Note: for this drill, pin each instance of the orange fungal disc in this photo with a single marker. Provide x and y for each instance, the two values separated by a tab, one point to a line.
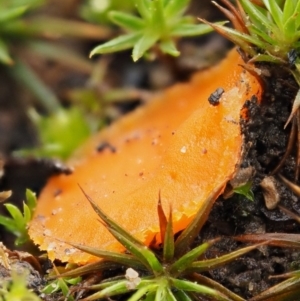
178	144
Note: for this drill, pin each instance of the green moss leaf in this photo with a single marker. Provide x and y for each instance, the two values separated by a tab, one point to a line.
120	43
245	190
144	8
189	30
176	7
4	54
31	199
142	45
127	21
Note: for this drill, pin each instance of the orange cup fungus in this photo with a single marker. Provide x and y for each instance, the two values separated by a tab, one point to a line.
178	144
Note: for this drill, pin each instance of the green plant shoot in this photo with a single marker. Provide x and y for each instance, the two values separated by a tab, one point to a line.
160	23
17	223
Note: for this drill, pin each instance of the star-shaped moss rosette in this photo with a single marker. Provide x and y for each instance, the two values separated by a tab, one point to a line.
170	274
266	30
161	22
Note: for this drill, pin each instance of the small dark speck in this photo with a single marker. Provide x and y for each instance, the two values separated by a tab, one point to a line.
113	191
105	145
173	133
141	174
214	98
126	175
57	192
292	57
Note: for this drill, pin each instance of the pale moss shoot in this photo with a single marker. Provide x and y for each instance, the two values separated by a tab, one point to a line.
161	23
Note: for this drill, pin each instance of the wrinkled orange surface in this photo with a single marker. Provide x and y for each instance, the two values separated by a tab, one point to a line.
177	144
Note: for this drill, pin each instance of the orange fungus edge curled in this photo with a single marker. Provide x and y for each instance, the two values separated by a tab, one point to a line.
178	144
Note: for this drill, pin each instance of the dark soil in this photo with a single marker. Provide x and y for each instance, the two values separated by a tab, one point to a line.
265	142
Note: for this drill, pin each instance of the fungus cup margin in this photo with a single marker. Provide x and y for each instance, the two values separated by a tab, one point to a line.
178	144
169	274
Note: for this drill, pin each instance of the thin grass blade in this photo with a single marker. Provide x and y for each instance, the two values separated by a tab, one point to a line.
162	219
61	54
142	253
272	239
256	16
110	223
169	244
142	291
88	268
275	12
186	260
150	296
189	30
217	286
120	43
181	295
116	289
198	288
262	34
209	264
185	239
233	14
126	21
289	9
284	291
175	8
160	293
25	75
170	296
241	39
122	259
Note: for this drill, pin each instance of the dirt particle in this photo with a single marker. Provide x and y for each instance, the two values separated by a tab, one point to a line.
105	145
55	211
270	193
183	149
57	192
